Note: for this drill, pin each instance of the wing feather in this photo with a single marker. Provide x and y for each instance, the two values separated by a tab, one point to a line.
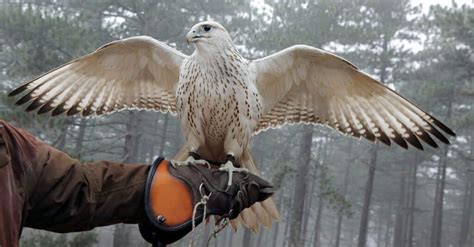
133	73
302	84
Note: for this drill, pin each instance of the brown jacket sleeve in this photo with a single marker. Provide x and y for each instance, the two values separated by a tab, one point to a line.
42	187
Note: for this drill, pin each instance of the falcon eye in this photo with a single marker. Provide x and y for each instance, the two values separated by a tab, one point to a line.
206	28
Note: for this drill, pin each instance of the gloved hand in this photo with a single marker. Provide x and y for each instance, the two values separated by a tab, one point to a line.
177	197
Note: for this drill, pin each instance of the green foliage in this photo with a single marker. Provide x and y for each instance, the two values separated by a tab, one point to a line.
84	239
330	193
37	39
282	172
44	239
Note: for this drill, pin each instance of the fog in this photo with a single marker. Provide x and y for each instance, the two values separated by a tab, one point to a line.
355	193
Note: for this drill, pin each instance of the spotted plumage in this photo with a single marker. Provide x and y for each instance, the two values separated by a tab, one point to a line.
222	99
218	103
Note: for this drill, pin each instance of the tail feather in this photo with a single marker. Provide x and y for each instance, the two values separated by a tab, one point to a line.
270	207
262	215
235	223
265	211
249	219
182	153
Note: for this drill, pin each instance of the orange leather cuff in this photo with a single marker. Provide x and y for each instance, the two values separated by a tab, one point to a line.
170	198
168	205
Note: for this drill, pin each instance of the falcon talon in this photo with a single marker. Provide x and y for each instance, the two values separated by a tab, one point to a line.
172	162
230	168
176	163
206	164
195	155
190	161
202	162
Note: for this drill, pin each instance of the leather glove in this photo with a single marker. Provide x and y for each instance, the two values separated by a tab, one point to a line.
177	197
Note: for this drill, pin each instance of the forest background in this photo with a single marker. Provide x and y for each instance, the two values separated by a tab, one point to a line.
332	190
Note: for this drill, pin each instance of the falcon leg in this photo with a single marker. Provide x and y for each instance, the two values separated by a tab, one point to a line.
229	166
192	159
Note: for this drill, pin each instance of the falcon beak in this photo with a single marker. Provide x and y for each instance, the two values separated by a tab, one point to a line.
193	36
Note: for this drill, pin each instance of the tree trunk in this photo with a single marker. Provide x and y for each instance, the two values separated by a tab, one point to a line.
296	238
80	138
364	222
307	207
313	184
352	233
152	147
364	219
177	138
437	222
380	226
434	219
288	220
132	138
317	225
398	236
276	226
388	224
163	135
60	143
319	214
121	236
206	232
411	225
261	236
344	192
467	210
468	202
246	238
230	243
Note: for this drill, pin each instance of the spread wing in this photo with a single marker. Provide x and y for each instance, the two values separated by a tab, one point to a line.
137	72
302	84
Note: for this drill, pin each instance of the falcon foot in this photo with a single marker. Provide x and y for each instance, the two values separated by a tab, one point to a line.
192	159
230	168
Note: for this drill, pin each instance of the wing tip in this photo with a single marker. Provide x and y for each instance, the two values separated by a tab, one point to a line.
416	144
18	90
25	99
440	136
73	111
384	139
402	143
45	108
88	111
33	106
421	148
443	127
430	143
434	145
59	109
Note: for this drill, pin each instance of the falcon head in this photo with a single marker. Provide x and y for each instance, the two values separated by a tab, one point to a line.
208	34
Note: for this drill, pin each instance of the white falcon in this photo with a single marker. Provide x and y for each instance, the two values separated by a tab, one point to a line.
223	99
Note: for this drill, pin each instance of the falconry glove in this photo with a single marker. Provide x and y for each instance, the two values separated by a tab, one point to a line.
179	198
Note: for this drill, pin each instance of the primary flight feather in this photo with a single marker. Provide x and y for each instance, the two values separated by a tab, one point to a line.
223	99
